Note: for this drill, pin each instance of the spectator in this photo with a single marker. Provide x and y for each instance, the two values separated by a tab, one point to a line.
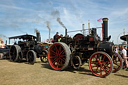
51	40
2	45
56	36
60	38
124	56
116	50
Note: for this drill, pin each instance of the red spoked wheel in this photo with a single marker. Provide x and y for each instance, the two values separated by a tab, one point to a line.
100	64
59	56
78	37
117	62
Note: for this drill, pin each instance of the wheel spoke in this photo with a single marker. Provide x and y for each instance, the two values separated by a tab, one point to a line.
57	64
52	56
100	71
94	66
96	58
53	52
61	52
107	68
63	59
105	62
62	55
104	70
99	57
54	61
61	63
103	58
60	49
93	62
56	49
96	69
116	64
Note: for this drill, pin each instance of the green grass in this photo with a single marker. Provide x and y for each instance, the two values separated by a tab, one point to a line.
12	73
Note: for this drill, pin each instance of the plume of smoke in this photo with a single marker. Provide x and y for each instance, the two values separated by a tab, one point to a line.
77	11
47	22
55	14
58	19
3	36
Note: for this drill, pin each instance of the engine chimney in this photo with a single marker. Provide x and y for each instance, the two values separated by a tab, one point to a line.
38	36
105	29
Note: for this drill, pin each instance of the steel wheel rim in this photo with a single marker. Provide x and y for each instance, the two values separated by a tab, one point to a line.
57	56
44	58
117	62
102	65
13	53
76	62
30	57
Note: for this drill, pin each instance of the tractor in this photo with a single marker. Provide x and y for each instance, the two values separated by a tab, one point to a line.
28	47
74	52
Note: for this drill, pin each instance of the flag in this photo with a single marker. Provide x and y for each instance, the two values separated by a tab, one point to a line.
99	19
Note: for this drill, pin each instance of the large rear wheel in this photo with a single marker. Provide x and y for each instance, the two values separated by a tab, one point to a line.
100	64
15	51
59	56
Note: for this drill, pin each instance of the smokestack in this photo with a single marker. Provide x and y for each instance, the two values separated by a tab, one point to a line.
89	27
83	29
38	36
105	29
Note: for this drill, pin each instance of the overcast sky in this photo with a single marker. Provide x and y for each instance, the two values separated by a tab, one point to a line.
19	17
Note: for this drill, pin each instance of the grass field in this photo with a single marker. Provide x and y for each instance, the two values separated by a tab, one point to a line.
13	73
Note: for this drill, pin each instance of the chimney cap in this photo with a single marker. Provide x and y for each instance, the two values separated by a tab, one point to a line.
105	19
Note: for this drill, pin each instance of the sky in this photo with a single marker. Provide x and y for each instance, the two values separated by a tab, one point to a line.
18	17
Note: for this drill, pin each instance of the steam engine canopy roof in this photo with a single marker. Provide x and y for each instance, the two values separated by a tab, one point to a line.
24	37
124	37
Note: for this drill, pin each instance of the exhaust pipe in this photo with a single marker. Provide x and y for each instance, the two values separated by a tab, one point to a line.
105	30
38	37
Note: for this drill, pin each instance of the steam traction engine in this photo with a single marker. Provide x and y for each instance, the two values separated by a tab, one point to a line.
28	47
77	50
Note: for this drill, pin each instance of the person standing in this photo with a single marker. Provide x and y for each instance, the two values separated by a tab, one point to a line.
56	36
2	45
124	56
116	50
60	38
